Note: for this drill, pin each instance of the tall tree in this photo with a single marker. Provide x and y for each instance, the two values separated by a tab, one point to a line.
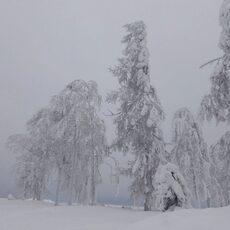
80	126
217	103
139	114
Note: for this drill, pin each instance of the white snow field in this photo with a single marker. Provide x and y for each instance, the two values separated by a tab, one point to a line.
31	215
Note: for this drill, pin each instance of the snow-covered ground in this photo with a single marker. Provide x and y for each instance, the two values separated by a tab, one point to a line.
30	215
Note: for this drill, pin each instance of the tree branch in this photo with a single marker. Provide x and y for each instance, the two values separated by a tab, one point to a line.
210	62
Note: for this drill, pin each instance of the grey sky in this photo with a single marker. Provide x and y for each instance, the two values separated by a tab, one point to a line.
45	44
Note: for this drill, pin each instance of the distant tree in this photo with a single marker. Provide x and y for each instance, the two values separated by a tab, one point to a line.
191	156
171	188
220	155
33	161
139	115
217	103
21	144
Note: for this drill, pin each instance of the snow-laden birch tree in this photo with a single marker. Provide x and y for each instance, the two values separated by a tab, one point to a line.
25	168
80	126
139	115
217	103
34	155
66	139
191	156
220	155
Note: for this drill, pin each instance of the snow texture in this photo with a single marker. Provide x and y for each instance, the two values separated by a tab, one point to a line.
33	215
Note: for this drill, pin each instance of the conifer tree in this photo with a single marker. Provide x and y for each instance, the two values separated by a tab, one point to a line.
140	113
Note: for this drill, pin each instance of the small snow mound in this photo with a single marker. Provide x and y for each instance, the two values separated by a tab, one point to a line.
48	201
11	197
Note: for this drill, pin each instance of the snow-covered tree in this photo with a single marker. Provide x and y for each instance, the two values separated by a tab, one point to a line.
217	103
171	188
21	144
139	114
191	156
220	155
66	139
41	137
34	151
97	150
80	127
59	157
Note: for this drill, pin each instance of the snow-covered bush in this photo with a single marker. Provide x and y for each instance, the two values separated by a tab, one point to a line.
171	188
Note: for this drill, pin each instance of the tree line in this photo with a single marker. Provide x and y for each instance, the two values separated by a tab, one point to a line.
67	139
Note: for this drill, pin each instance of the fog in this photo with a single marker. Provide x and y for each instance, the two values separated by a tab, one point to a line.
46	44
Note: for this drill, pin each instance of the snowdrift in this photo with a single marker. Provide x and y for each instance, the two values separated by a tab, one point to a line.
30	215
190	219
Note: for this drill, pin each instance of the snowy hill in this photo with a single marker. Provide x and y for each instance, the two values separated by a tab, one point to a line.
30	215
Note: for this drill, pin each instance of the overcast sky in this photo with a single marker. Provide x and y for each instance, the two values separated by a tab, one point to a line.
45	44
